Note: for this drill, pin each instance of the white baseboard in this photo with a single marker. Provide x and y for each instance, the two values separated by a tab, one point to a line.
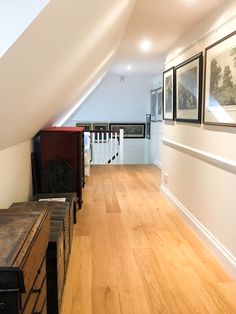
157	163
227	259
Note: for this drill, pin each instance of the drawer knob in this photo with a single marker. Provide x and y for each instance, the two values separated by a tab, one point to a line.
36	290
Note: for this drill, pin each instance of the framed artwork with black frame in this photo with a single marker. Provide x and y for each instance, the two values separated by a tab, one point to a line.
148	126
188	76
131	130
86	125
220	82
153	105
159	104
101	127
169	94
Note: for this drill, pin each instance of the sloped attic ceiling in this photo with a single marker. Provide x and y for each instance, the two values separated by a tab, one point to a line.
67	47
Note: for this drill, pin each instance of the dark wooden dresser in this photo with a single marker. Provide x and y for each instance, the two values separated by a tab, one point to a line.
62	160
24	236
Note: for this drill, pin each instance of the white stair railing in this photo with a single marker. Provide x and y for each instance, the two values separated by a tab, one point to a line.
107	147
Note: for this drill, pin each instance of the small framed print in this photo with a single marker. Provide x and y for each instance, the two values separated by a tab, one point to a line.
169	94
159	104
153	105
189	90
86	125
220	82
100	127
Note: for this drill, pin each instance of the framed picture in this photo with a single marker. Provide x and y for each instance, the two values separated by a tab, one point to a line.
101	127
220	82
169	94
159	104
153	105
189	90
148	126
86	125
131	130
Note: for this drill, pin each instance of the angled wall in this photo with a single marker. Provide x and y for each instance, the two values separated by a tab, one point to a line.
44	73
55	61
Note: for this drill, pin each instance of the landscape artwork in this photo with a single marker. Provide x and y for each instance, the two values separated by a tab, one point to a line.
159	104
153	104
220	82
189	90
131	130
168	94
223	79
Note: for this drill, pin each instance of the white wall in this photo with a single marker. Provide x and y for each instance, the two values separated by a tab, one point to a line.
203	188
115	101
15	179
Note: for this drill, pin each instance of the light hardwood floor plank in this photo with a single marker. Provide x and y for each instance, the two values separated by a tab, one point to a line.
133	254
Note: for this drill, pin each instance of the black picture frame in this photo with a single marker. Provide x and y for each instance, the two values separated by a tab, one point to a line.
102	127
169	94
220	82
86	125
131	130
153	105
148	126
188	90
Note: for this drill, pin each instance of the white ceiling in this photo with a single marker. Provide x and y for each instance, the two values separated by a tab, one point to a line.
164	22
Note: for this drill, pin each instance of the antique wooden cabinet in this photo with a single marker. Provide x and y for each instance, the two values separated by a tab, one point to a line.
62	160
24	238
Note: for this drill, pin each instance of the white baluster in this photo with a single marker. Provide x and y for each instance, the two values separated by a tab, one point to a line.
102	149
93	148
121	150
115	148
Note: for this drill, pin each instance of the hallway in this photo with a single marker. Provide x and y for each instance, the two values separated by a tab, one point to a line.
132	253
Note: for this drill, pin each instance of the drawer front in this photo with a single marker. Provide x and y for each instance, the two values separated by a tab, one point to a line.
71	223
34	297
40	277
44	310
31	268
67	239
60	268
41	298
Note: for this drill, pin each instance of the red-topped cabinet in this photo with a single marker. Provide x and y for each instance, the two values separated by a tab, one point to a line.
62	160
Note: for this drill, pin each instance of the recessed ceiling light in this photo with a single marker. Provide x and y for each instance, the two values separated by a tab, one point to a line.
145	45
129	67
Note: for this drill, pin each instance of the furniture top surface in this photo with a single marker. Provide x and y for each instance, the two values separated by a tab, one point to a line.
63	129
14	231
70	197
40	205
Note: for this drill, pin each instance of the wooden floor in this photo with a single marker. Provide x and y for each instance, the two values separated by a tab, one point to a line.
133	254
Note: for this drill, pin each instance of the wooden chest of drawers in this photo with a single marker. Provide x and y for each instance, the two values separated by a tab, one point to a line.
55	268
23	240
59	211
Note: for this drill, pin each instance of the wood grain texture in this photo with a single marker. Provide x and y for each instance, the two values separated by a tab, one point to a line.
132	253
